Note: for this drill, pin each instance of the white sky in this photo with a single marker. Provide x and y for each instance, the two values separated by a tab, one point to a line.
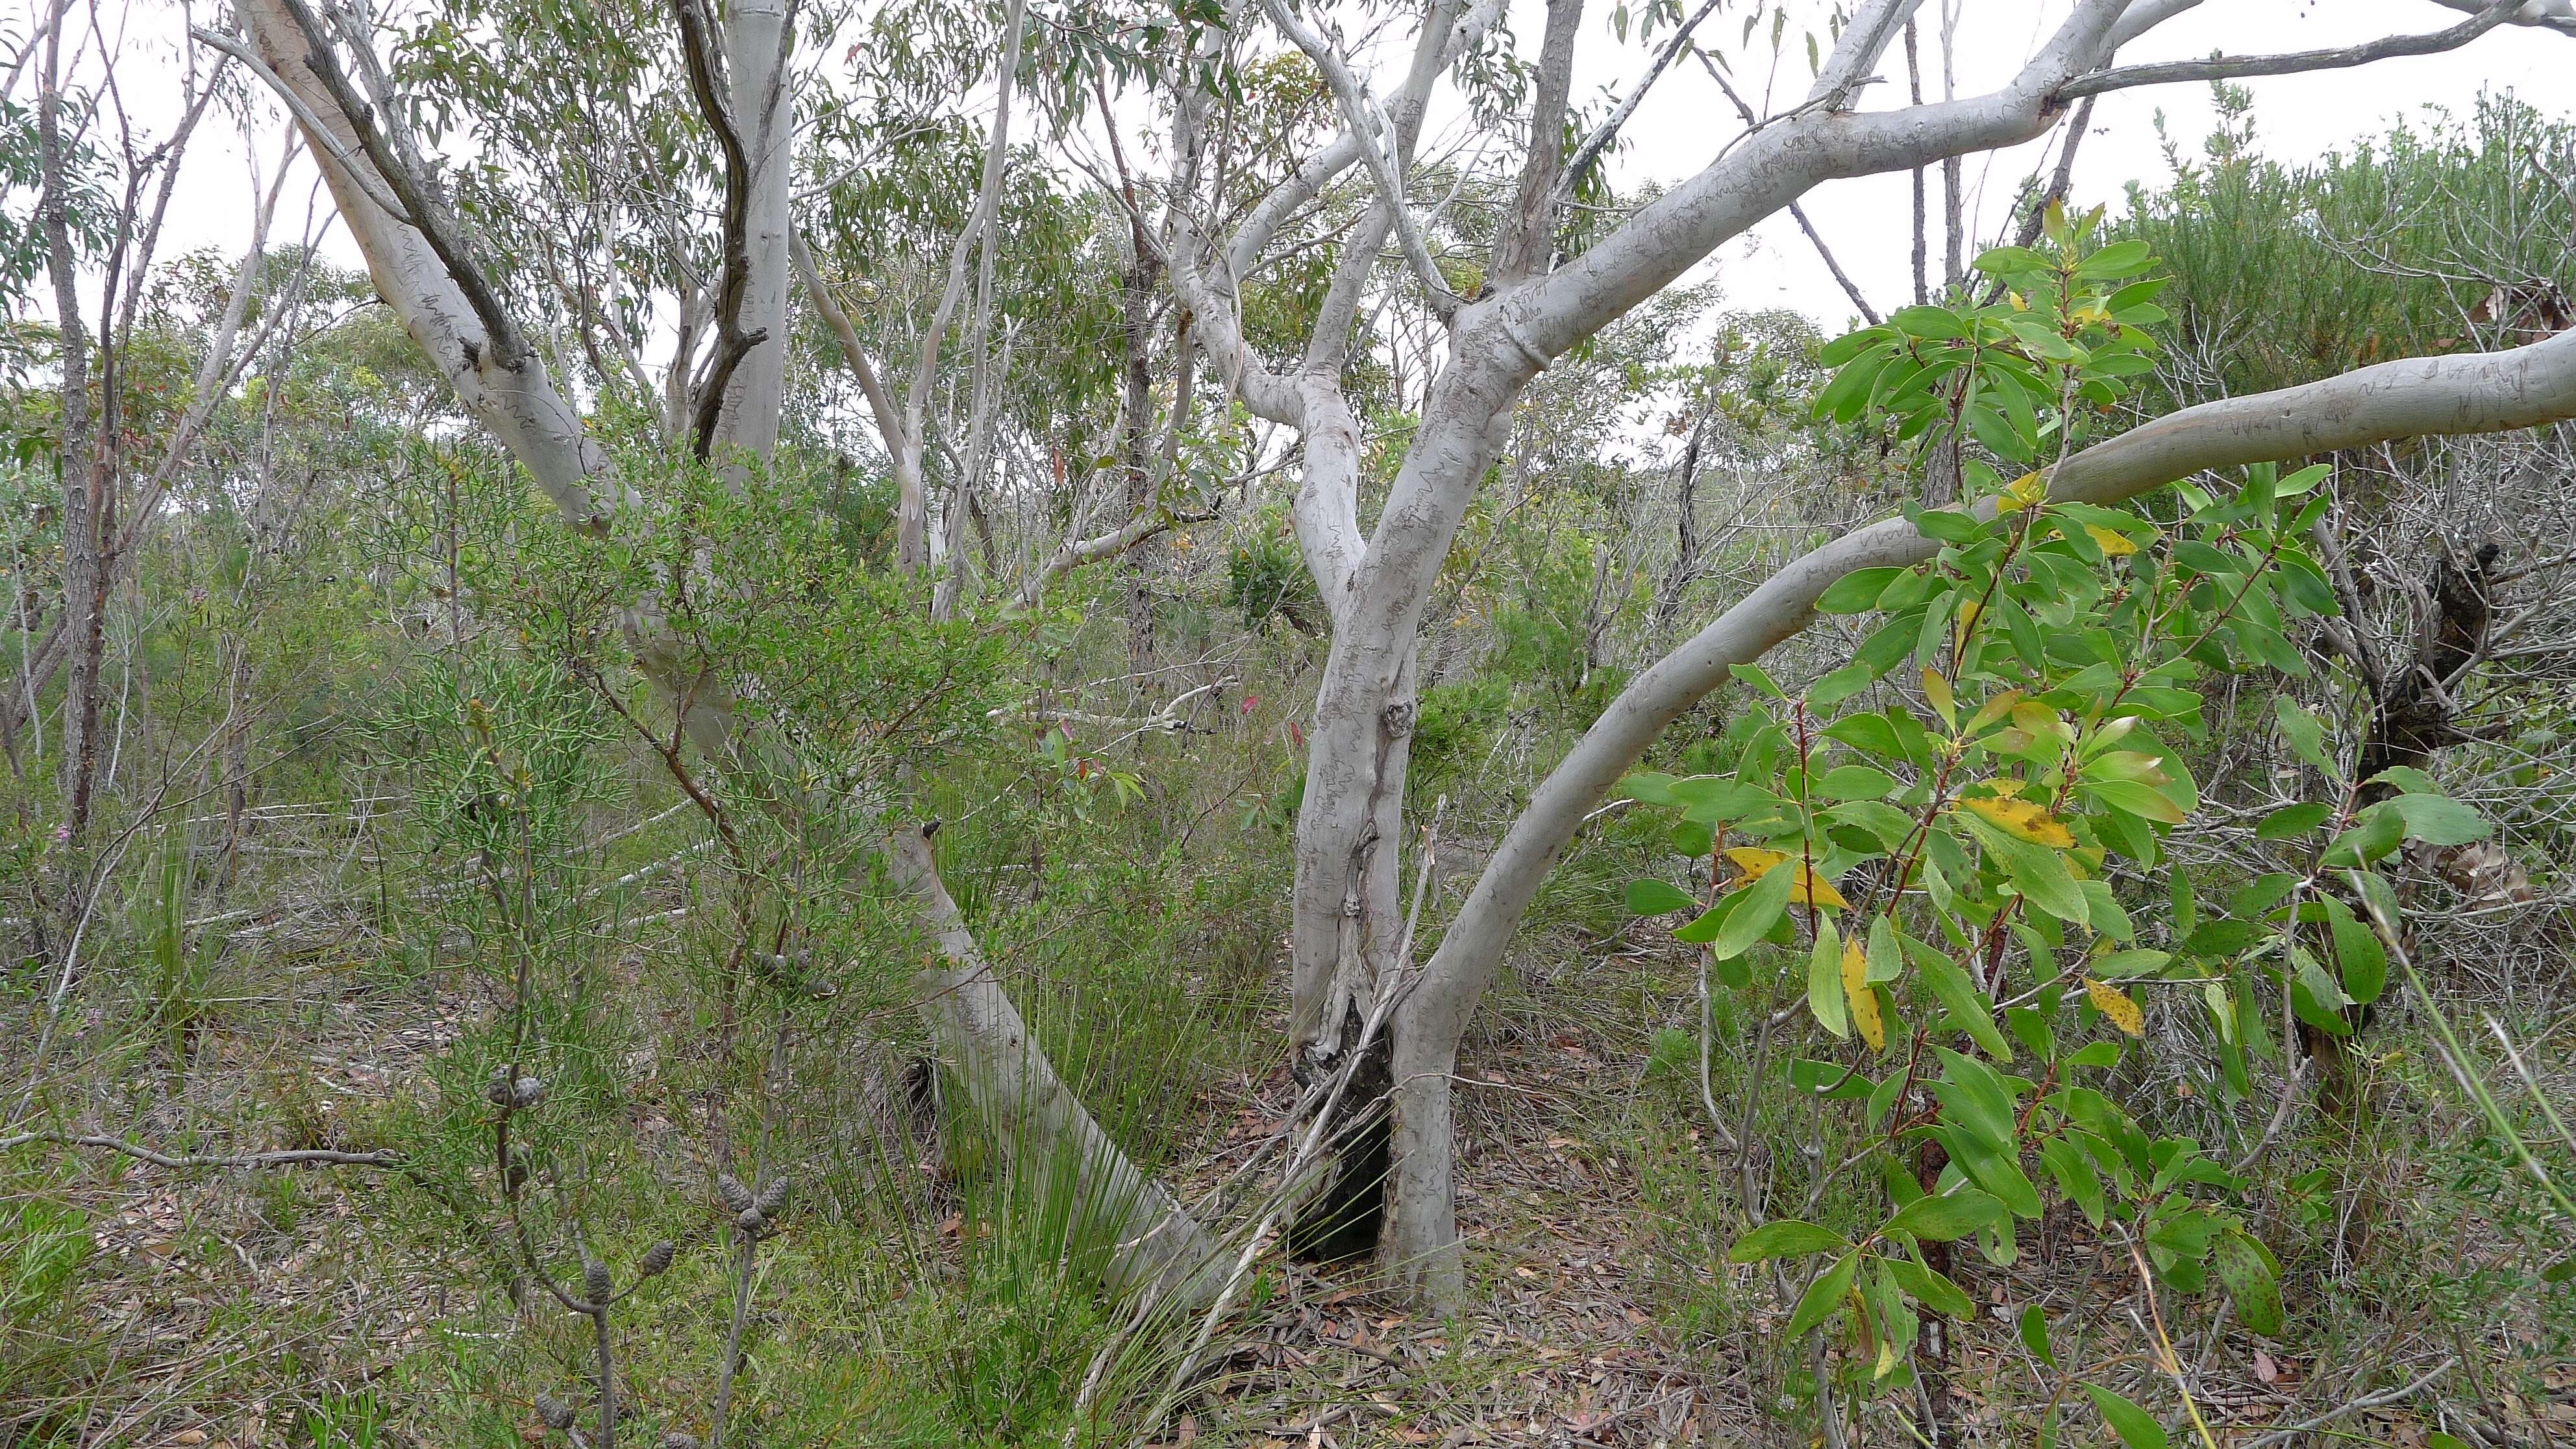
1867	222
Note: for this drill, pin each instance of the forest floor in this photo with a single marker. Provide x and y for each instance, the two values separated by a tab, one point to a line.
250	1309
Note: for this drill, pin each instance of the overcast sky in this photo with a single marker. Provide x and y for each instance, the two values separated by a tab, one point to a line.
1867	222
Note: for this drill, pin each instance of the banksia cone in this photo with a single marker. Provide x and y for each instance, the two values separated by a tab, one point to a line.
527	1093
657	1259
498	1093
735	1196
773	1198
749	1220
595	1281
553	1413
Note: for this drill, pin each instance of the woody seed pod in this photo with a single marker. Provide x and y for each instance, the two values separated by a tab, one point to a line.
498	1093
730	1191
657	1259
749	1220
773	1197
527	1093
553	1413
595	1281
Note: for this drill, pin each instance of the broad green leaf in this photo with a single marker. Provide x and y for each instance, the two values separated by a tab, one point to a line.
1753	916
2305	732
1855	782
1952	1215
2075	1176
1787	1238
2037	871
1968	1008
2138	799
1998	1172
2247	1276
2120	965
2438	820
1931	1289
1824	1295
1825	979
1648	789
2359	957
2034	1335
2292	821
2135	1426
1656	897
1857	591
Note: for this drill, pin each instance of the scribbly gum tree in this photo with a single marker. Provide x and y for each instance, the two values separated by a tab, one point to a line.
1521	289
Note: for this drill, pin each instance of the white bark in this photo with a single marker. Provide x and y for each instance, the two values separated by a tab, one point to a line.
517	401
2491	392
758	51
918	543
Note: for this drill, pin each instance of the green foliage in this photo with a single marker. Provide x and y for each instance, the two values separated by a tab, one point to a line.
1933	827
2432	237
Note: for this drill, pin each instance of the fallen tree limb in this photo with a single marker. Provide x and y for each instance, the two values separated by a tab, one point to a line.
1031	1113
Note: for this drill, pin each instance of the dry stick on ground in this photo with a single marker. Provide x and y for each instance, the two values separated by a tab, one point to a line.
292	1157
2366	1401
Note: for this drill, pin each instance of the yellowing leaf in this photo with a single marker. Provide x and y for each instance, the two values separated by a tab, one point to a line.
1965	626
1814	890
1753	860
1864	1000
2117	545
1808	889
1995	708
2023	492
2114	1003
2023	819
1937	690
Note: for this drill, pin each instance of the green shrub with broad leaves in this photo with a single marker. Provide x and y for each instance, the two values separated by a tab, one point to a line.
1947	836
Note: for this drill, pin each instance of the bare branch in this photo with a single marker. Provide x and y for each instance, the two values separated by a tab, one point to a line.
1358	116
2291	63
1608	131
1798	213
732	344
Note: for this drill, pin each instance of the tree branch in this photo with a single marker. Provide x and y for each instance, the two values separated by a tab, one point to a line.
293	1157
1387	171
1528	240
424	211
2290	63
1608	131
732	344
2473	393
